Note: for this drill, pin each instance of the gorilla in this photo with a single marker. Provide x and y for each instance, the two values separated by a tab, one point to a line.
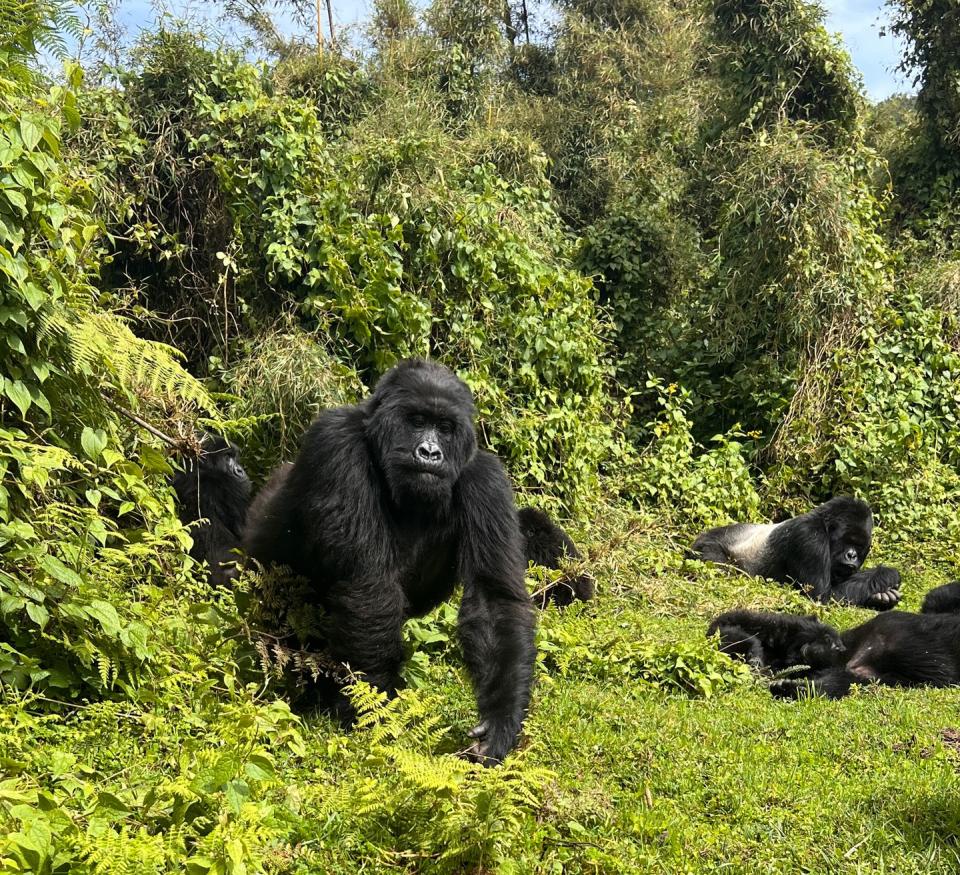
387	507
546	544
898	649
214	489
776	641
820	552
942	600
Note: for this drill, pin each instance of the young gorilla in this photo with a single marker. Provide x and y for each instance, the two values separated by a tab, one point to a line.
776	641
214	488
546	544
388	506
942	600
820	552
898	649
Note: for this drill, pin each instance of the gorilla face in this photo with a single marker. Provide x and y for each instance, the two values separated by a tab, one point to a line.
218	462
421	426
850	526
848	550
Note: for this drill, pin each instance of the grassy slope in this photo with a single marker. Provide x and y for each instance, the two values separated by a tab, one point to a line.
644	779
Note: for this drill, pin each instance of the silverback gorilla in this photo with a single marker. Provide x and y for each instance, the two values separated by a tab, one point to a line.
546	544
387	507
215	488
820	552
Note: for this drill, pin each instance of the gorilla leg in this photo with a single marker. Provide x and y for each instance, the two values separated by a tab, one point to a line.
738	642
834	683
942	600
366	633
496	636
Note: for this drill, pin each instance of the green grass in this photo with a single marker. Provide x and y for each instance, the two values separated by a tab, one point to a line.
615	773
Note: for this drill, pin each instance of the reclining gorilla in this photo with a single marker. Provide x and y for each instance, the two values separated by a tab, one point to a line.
898	649
546	544
215	488
388	506
820	552
776	641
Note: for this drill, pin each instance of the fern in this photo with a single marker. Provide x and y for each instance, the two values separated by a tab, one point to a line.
101	342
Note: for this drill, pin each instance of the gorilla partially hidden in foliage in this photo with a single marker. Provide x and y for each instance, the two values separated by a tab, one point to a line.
213	492
546	544
387	507
820	552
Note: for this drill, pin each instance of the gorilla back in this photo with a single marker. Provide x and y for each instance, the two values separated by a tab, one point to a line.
388	506
820	552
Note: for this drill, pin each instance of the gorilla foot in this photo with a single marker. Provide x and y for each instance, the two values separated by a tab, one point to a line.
883	601
791	688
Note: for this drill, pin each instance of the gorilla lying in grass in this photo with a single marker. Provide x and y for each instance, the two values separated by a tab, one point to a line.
214	489
776	641
820	552
898	649
387	508
546	544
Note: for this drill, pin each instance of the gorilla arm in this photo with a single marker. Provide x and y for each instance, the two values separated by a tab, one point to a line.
496	622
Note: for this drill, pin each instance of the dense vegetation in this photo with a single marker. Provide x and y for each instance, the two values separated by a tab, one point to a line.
691	275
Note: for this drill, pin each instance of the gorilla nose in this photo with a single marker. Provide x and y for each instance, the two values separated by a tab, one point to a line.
429	453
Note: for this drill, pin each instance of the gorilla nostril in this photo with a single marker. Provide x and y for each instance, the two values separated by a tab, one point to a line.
427	452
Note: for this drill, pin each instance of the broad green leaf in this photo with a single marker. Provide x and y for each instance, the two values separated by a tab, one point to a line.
57	570
106	614
30	132
19	394
93	441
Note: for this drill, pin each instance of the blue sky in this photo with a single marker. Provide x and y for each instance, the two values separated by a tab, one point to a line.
857	21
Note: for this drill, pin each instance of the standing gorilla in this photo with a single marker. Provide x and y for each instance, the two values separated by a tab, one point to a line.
214	488
546	544
820	552
388	506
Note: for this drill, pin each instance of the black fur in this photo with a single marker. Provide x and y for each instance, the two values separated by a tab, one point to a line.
546	544
877	588
897	649
776	641
819	552
388	506
214	488
942	600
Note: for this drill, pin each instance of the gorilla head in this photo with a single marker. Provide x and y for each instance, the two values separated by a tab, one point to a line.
214	488
849	523
420	424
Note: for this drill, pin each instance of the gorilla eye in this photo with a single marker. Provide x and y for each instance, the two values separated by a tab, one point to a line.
236	469
445	426
417	421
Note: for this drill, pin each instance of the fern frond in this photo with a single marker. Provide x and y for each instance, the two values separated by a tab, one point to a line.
102	342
